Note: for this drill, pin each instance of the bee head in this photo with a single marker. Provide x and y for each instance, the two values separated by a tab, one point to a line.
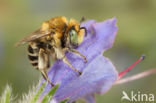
75	33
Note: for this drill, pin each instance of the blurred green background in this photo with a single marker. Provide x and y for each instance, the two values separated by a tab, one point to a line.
136	20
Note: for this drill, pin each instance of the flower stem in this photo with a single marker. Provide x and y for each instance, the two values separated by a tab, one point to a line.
137	76
36	96
6	96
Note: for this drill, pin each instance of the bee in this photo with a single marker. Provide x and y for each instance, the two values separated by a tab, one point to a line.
55	37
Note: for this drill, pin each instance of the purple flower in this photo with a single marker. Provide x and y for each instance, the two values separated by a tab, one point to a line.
98	74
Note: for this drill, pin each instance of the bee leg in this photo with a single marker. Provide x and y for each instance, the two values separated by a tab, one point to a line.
78	53
65	60
44	74
42	65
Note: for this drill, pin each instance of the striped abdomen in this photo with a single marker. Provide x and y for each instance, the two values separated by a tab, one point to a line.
33	56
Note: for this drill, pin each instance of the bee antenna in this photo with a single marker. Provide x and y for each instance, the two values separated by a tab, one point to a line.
82	19
84	29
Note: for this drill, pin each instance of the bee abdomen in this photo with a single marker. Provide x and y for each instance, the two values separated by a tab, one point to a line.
33	57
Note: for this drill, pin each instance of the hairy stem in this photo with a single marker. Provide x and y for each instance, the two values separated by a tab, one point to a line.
137	76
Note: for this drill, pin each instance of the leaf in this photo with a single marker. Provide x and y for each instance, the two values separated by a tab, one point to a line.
49	96
37	95
65	100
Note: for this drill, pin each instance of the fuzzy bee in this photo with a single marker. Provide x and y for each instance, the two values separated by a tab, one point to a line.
55	37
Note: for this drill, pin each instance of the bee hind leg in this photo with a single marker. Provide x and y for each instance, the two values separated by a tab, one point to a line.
65	60
42	65
44	74
78	53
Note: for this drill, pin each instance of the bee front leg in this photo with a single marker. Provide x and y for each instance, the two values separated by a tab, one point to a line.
78	53
42	65
65	60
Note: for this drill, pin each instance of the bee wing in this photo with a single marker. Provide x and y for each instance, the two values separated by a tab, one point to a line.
33	36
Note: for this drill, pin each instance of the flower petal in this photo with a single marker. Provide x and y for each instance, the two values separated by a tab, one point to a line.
90	98
94	79
98	73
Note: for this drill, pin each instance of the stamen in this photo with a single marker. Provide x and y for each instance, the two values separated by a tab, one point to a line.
136	76
121	74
